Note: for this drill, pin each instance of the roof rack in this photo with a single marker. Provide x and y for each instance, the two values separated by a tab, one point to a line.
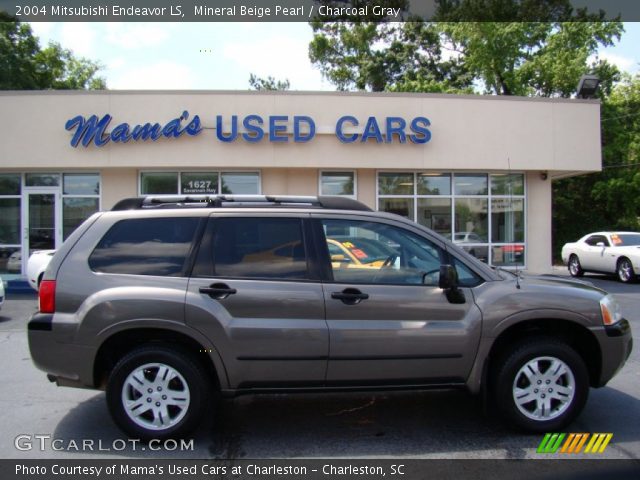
225	201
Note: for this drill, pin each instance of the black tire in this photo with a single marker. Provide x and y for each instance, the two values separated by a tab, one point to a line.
508	370
575	269
196	384
624	270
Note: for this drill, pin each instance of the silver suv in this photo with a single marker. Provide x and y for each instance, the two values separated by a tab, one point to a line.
166	302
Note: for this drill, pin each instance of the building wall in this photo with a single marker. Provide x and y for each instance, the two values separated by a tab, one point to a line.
542	138
539	255
468	132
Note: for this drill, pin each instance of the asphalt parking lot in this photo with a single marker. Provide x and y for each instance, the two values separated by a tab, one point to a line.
434	424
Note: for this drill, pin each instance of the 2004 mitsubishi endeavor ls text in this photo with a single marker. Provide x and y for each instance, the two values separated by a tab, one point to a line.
165	302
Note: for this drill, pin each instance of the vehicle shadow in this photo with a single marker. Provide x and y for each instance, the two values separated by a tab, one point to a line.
441	424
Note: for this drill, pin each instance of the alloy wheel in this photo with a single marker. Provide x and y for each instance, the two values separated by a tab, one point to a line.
155	396
544	388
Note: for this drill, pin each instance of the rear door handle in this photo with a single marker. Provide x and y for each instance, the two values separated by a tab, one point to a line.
350	296
218	291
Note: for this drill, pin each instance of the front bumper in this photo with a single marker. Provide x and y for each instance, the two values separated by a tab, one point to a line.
53	352
616	344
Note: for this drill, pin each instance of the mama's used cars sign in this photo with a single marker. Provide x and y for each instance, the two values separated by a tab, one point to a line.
250	128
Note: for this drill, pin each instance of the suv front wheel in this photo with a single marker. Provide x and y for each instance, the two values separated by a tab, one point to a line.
157	392
541	384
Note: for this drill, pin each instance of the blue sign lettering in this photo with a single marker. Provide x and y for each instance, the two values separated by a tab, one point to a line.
371	130
341	121
254	132
255	128
92	129
419	127
298	136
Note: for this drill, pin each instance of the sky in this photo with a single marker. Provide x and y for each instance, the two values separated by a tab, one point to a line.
221	56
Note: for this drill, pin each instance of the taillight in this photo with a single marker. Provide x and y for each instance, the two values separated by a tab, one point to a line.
47	296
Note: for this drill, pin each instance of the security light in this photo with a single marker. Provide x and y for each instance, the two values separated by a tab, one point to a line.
588	86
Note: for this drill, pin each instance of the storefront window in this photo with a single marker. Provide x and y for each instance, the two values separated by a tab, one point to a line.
434	184
471	219
9	221
507	220
395	183
337	183
240	183
399	206
75	211
80	199
159	183
81	184
10	203
471	184
199	183
42	179
482	213
10	184
507	184
435	213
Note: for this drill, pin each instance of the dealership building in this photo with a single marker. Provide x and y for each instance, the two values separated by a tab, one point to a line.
477	169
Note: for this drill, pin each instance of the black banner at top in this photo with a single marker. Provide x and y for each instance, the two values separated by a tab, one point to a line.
319	10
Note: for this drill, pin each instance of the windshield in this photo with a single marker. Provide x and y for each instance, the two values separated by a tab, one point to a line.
625	239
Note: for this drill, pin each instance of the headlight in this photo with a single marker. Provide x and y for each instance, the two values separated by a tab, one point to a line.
610	310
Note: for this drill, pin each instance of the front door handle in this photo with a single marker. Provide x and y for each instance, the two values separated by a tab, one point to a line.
350	296
218	291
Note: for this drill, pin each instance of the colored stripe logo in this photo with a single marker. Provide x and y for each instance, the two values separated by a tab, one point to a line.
574	443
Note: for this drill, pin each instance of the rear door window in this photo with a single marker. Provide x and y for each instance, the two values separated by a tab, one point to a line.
260	247
148	246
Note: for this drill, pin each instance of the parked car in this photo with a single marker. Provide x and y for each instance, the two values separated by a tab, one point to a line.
605	252
36	265
1	293
14	262
164	302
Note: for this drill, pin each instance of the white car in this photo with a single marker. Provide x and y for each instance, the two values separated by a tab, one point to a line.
605	252
14	263
36	265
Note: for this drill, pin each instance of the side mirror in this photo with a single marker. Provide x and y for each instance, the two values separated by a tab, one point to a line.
600	244
449	283
448	277
338	257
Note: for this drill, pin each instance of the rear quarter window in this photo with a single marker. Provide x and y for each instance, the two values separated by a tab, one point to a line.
149	246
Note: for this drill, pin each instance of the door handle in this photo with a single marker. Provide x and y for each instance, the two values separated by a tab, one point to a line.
350	296
219	291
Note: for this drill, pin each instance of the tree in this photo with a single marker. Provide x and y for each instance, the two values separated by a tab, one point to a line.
532	58
270	83
504	47
24	65
386	56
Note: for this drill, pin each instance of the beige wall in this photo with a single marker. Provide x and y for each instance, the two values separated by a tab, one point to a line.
118	183
289	181
468	132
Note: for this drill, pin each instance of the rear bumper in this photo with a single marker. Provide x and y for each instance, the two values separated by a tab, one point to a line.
616	344
53	352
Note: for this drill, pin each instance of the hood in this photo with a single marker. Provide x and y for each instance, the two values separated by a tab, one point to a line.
558	282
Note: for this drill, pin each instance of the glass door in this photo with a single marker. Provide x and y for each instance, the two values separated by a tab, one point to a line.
41	222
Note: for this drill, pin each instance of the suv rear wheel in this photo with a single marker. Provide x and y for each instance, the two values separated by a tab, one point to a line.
157	392
541	385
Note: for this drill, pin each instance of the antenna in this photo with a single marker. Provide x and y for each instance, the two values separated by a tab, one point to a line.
510	188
